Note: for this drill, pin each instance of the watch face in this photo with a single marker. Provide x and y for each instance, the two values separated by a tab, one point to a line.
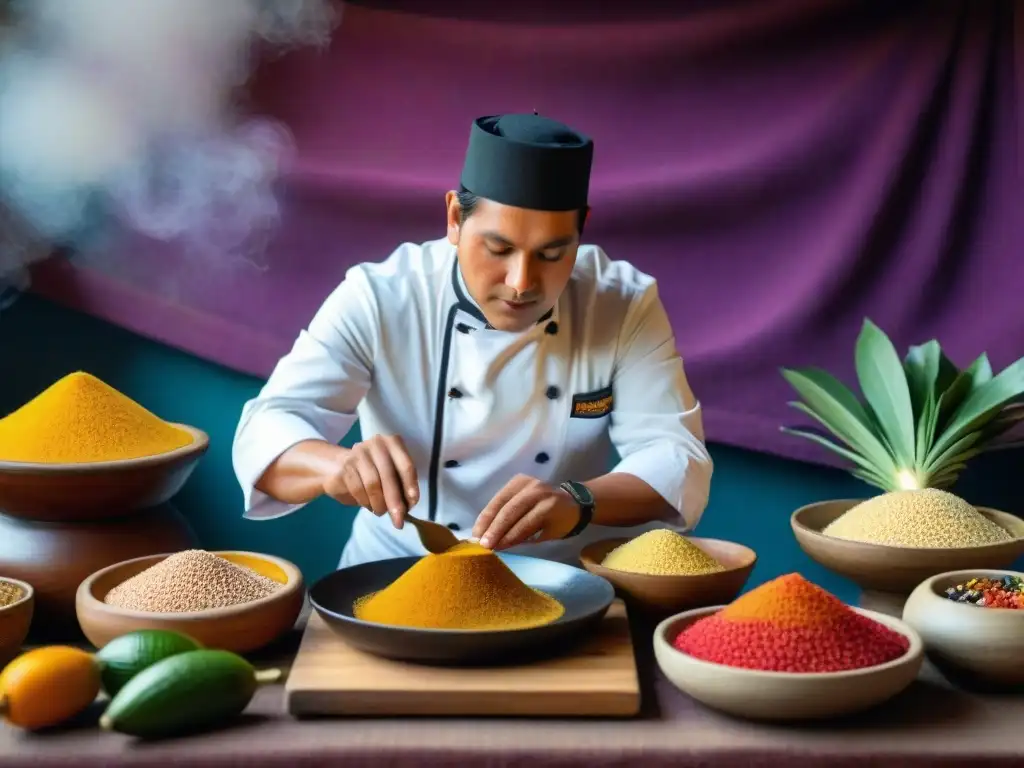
585	499
585	495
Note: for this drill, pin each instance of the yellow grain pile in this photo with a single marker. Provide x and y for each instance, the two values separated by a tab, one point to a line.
661	552
9	593
79	420
928	518
467	587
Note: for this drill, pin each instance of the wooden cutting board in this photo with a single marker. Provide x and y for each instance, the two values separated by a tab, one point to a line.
598	679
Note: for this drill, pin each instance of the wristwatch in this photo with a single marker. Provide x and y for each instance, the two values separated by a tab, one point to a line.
585	499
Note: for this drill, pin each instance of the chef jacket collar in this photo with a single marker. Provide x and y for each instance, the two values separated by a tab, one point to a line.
468	304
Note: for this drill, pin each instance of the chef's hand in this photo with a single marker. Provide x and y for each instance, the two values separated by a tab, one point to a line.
379	475
524	507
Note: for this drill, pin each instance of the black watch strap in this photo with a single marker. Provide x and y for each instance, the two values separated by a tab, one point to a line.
585	500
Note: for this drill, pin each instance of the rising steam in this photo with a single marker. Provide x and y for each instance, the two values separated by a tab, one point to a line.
122	114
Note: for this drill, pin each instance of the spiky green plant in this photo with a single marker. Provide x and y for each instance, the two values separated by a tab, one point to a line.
917	422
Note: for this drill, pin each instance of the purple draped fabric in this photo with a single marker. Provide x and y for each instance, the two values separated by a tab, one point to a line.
783	167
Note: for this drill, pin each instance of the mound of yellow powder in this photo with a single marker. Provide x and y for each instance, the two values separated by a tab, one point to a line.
927	518
661	552
467	587
79	420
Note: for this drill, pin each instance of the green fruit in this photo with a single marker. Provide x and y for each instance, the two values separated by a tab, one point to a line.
125	656
184	693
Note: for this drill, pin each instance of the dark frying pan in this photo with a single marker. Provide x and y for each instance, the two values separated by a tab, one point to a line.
586	598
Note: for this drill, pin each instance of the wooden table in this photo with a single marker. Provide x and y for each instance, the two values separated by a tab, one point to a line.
930	726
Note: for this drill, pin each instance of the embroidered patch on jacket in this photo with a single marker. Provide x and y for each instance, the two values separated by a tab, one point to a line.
592	405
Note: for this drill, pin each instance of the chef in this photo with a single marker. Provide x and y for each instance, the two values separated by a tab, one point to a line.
508	382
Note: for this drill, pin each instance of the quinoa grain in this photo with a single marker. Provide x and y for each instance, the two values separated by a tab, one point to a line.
193	580
9	593
929	518
661	552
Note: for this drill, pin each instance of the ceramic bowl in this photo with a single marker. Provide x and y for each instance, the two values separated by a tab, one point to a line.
15	620
56	557
70	492
784	696
240	628
896	569
663	595
969	643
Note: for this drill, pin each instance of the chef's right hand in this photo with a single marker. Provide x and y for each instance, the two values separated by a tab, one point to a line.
379	476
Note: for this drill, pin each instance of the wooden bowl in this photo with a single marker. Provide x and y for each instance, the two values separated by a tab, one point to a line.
662	595
969	643
896	569
15	620
67	492
56	557
240	628
784	696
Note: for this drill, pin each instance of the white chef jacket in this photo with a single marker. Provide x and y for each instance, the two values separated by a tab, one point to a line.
401	348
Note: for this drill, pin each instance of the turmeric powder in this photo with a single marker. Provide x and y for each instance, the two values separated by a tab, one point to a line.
78	420
467	587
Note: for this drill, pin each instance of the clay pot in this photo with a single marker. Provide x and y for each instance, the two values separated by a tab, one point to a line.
56	557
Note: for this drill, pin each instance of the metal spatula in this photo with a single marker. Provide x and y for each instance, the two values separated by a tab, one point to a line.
434	536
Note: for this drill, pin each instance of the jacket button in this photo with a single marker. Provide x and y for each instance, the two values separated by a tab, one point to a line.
454	392
451	463
551	328
463	328
553	393
541	458
453	526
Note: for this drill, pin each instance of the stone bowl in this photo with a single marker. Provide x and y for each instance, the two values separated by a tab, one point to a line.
97	490
240	628
784	696
657	595
972	645
888	574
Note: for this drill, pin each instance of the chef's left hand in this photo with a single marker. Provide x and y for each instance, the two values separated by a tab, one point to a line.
524	507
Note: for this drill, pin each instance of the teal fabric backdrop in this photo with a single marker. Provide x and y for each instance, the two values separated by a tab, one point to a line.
751	500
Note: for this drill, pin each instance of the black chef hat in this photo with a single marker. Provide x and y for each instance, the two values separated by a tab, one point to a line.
528	161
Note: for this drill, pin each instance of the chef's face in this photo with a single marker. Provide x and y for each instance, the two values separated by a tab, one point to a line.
516	262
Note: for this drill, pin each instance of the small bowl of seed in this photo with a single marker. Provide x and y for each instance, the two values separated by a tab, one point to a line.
17	604
662	572
235	601
972	624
